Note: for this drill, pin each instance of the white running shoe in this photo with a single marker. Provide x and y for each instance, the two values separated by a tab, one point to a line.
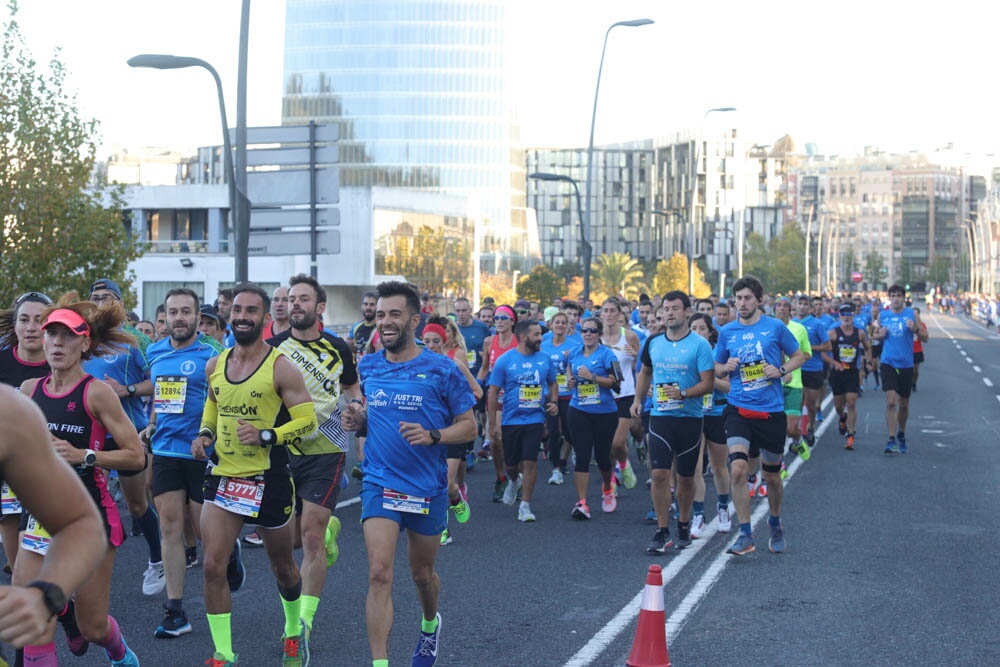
725	523
556	477
697	525
153	579
524	513
510	493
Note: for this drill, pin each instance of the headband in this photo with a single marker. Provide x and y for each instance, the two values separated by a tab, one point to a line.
509	310
436	328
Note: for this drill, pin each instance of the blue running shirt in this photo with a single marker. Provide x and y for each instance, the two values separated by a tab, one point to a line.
817	336
766	340
125	368
525	381
679	363
428	390
559	356
897	347
588	396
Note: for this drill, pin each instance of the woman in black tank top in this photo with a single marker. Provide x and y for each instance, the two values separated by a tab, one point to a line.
80	412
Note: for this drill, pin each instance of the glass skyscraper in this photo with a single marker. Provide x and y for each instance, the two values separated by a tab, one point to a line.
419	90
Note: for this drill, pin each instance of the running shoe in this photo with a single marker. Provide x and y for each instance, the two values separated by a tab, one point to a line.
752	484
190	557
784	471
810	439
470	460
426	652
128	660
175	624
484	451
557	477
802	449
218	660
683	540
762	489
580	511
819	415
356	472
902	443
296	649
136	528
330	541
628	476
525	514
674	510
153	579
777	541
890	447
510	493
850	442
498	490
651	516
445	537
697	526
236	574
742	546
608	501
661	542
842	425
462	511
723	521
253	539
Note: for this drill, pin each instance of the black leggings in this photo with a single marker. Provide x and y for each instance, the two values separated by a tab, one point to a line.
591	434
558	426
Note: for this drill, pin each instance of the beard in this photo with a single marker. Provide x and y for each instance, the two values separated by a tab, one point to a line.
247	337
185	333
402	340
534	345
303	321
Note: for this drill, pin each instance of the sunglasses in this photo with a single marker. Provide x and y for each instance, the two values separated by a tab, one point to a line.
590	330
522	312
500	318
33	296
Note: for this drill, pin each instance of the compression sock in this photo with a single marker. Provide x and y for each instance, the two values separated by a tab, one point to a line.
113	643
222	634
307	608
41	656
428	626
291	602
773	521
697	508
746	530
150	523
724	500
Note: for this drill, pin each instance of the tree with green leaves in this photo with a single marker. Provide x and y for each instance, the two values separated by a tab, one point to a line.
757	259
58	232
542	286
568	270
617	273
672	274
786	250
874	266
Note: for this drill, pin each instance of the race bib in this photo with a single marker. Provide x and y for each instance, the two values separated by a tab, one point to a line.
529	396
563	382
169	394
35	539
848	353
752	376
402	502
708	402
664	402
588	393
9	504
240	495
470	357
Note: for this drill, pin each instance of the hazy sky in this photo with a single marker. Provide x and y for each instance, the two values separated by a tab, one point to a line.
845	74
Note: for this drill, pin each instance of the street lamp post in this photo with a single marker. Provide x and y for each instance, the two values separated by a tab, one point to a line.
238	205
635	23
694	193
972	256
548	176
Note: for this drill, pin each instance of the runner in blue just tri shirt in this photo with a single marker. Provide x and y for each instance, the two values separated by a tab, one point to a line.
750	352
593	375
895	331
558	346
416	401
527	377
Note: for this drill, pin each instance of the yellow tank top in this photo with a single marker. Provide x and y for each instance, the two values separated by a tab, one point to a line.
253	400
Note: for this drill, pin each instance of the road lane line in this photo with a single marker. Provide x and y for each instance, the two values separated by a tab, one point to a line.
987	382
593	649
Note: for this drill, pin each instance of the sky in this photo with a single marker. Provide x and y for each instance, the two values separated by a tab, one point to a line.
843	75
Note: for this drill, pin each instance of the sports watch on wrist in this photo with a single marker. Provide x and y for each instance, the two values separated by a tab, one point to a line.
435	435
131	389
268	436
52	596
89	458
684	393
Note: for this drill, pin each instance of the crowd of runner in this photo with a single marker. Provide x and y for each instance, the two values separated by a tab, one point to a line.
243	412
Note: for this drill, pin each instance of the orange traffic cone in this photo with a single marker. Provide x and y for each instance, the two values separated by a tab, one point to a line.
649	648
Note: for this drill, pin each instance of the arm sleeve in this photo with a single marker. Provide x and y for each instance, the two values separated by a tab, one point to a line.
301	424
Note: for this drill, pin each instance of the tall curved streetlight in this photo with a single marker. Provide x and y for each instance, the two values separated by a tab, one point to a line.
238	206
694	193
635	23
548	176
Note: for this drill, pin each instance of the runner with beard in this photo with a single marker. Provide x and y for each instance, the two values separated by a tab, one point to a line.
327	366
504	319
257	406
417	402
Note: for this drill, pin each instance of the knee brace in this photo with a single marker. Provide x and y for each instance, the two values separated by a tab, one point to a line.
770	467
738	456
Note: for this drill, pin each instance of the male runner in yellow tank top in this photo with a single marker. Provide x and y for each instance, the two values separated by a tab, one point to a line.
257	404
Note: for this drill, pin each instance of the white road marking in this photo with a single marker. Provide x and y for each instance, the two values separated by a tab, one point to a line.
930	430
977	369
988	382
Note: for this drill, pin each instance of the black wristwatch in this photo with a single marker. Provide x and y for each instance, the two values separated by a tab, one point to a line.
684	393
435	435
268	437
781	369
131	389
89	458
52	595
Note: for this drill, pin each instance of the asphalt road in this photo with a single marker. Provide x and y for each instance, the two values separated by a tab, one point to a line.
891	560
